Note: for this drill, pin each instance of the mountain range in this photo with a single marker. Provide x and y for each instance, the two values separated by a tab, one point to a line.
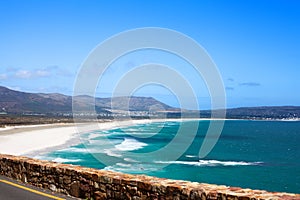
24	103
16	102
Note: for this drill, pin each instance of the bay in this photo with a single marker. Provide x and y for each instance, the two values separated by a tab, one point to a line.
249	154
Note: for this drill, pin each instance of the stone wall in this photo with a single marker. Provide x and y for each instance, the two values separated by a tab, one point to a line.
94	184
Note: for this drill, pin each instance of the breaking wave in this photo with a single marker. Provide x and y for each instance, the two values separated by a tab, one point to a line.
65	160
130	144
210	163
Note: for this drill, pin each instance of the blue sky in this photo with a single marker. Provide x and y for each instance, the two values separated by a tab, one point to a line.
255	44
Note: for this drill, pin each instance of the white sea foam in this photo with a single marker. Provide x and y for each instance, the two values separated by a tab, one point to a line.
211	163
171	123
130	144
128	168
95	135
132	129
111	168
191	156
123	165
76	150
65	160
142	134
112	152
130	160
81	150
103	143
59	160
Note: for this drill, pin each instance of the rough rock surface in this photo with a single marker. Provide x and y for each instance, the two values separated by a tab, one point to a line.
90	183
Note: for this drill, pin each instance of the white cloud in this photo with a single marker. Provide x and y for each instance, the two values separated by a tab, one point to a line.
54	69
42	73
37	73
25	74
3	76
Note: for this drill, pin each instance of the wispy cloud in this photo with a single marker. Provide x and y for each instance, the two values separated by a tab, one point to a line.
11	69
229	88
3	76
27	74
59	71
42	73
23	74
250	84
37	73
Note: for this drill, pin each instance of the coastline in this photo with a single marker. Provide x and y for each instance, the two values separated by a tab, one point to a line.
22	140
32	140
74	139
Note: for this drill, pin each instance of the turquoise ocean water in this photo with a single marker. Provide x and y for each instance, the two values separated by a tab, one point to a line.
250	154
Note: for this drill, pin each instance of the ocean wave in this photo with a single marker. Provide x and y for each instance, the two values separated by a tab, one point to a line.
73	149
111	168
130	144
142	134
103	143
131	168
191	156
111	152
96	135
171	123
130	160
138	133
81	150
65	160
123	165
132	129
210	163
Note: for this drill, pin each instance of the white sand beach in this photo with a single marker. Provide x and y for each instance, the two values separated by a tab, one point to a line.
28	139
21	140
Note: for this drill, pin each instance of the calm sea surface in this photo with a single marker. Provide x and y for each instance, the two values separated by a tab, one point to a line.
250	154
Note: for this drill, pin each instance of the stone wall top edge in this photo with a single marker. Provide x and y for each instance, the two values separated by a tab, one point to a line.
236	191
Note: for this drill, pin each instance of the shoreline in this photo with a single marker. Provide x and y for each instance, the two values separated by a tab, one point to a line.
23	140
75	139
34	140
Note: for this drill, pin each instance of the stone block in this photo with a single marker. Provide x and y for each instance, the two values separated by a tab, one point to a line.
52	187
100	195
75	189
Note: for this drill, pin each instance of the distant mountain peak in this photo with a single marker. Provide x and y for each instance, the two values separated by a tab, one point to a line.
16	102
54	103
